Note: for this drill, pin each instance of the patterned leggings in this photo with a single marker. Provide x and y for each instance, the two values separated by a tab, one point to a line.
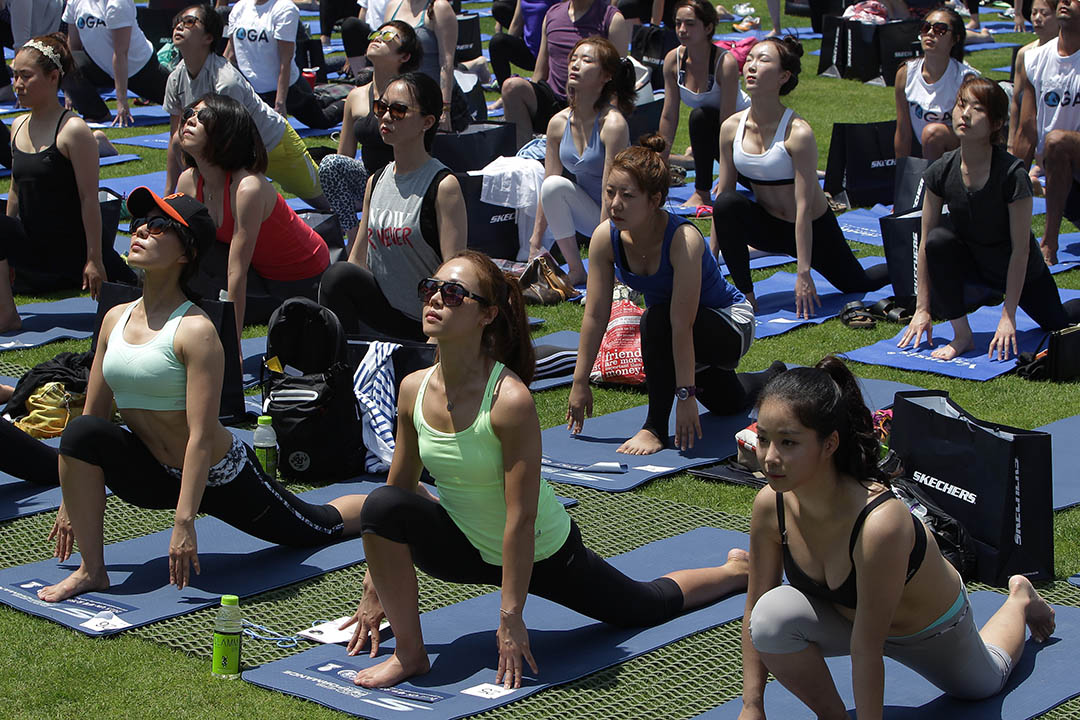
343	181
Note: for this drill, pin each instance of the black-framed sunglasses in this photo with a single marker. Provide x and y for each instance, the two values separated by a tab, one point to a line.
398	111
384	35
191	112
938	29
188	21
453	293
154	226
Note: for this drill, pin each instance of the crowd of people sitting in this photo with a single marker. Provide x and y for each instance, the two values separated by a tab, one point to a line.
220	229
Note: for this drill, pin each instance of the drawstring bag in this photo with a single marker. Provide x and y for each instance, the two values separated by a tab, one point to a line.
50	407
619	360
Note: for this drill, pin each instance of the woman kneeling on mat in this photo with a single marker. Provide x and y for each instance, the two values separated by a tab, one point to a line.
989	197
892	594
470	420
775	153
160	359
693	318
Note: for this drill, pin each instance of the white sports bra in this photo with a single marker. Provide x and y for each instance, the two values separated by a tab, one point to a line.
772	167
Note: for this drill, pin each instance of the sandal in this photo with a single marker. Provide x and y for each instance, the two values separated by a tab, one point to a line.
889	310
854	315
703	211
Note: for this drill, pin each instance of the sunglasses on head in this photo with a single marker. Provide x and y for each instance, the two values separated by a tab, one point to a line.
190	112
154	226
384	35
188	21
453	293
936	29
398	111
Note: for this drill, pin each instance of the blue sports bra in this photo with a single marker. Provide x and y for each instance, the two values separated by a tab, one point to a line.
588	167
147	376
772	167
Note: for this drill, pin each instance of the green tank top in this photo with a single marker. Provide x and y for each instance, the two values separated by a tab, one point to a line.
468	471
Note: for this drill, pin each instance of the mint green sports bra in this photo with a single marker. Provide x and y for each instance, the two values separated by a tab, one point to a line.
147	376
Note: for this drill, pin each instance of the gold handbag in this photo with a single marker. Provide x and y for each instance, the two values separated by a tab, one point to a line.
545	283
51	406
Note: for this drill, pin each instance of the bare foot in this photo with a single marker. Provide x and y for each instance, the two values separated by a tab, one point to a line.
1049	254
643	443
76	583
738	560
956	347
6	392
495	105
698	199
1038	614
105	148
392	671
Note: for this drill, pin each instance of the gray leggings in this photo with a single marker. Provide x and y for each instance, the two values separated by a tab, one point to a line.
949	653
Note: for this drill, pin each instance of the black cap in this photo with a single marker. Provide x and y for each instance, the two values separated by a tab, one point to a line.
182	208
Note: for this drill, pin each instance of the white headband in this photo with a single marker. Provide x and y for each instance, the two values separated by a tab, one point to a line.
47	52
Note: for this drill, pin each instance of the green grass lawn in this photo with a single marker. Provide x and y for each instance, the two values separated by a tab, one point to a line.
54	673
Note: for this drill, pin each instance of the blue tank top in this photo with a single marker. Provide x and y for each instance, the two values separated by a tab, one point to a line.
715	290
588	168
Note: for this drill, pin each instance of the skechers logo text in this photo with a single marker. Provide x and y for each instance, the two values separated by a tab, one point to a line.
947	488
1016	483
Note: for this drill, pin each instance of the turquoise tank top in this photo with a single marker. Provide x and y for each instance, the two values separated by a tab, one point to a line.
147	376
468	471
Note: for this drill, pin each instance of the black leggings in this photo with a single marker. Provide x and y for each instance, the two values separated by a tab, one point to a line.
252	501
303	104
330	11
503	12
705	139
505	49
354	35
26	458
574	577
719	341
353	293
747	223
46	264
952	263
82	86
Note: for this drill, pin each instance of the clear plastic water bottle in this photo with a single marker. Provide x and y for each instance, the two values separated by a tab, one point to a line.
266	448
228	633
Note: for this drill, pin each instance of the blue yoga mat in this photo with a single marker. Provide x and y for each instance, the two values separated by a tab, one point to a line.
567	339
304	131
19	498
602	436
776	301
1065	456
972	365
159	141
124	185
990	46
71	318
102	162
802	33
1002	26
1044	678
142	115
460	637
1068	253
232	562
862	225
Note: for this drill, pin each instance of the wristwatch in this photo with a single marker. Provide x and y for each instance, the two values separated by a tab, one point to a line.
685	393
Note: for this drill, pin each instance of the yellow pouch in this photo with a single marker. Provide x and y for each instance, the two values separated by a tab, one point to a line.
51	406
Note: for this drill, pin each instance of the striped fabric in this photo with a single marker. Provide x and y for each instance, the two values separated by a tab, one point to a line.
376	392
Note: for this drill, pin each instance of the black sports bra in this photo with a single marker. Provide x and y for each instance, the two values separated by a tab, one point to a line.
845	595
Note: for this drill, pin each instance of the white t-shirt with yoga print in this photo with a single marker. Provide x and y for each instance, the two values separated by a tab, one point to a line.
96	20
255	30
933	102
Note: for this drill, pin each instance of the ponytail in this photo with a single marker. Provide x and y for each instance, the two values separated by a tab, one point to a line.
620	88
826	398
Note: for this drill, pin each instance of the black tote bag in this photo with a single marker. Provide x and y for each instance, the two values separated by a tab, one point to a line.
994	479
862	162
833	60
909	187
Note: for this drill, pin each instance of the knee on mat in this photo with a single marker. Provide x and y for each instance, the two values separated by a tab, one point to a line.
83	438
383	511
775	622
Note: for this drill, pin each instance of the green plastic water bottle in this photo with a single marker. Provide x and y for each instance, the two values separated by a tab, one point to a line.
265	444
228	633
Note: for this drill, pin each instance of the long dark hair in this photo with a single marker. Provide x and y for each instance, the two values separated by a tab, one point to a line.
959	31
232	140
620	88
506	338
826	398
428	96
790	51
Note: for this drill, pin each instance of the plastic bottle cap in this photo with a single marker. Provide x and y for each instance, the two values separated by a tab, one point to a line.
266	420
230	600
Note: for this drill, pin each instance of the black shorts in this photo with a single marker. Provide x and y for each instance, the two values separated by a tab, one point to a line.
547	105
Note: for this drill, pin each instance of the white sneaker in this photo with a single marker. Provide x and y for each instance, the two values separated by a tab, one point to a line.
743	9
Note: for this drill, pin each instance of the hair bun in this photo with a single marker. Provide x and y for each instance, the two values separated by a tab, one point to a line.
654	142
794	45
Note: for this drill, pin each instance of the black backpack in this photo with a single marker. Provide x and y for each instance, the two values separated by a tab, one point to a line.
307	390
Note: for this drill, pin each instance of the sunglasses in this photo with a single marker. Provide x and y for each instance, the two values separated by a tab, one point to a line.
453	293
936	29
384	35
188	21
203	115
154	226
398	111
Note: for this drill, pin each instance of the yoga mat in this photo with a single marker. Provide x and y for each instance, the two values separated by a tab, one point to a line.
990	46
19	498
862	225
38	330
1044	678
1002	26
802	33
142	115
972	365
102	162
232	562
304	131
159	141
776	300
77	313
460	647
1068	253
1002	69
125	184
565	339
1065	456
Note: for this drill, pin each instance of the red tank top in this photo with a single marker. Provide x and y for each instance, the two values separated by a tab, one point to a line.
286	249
